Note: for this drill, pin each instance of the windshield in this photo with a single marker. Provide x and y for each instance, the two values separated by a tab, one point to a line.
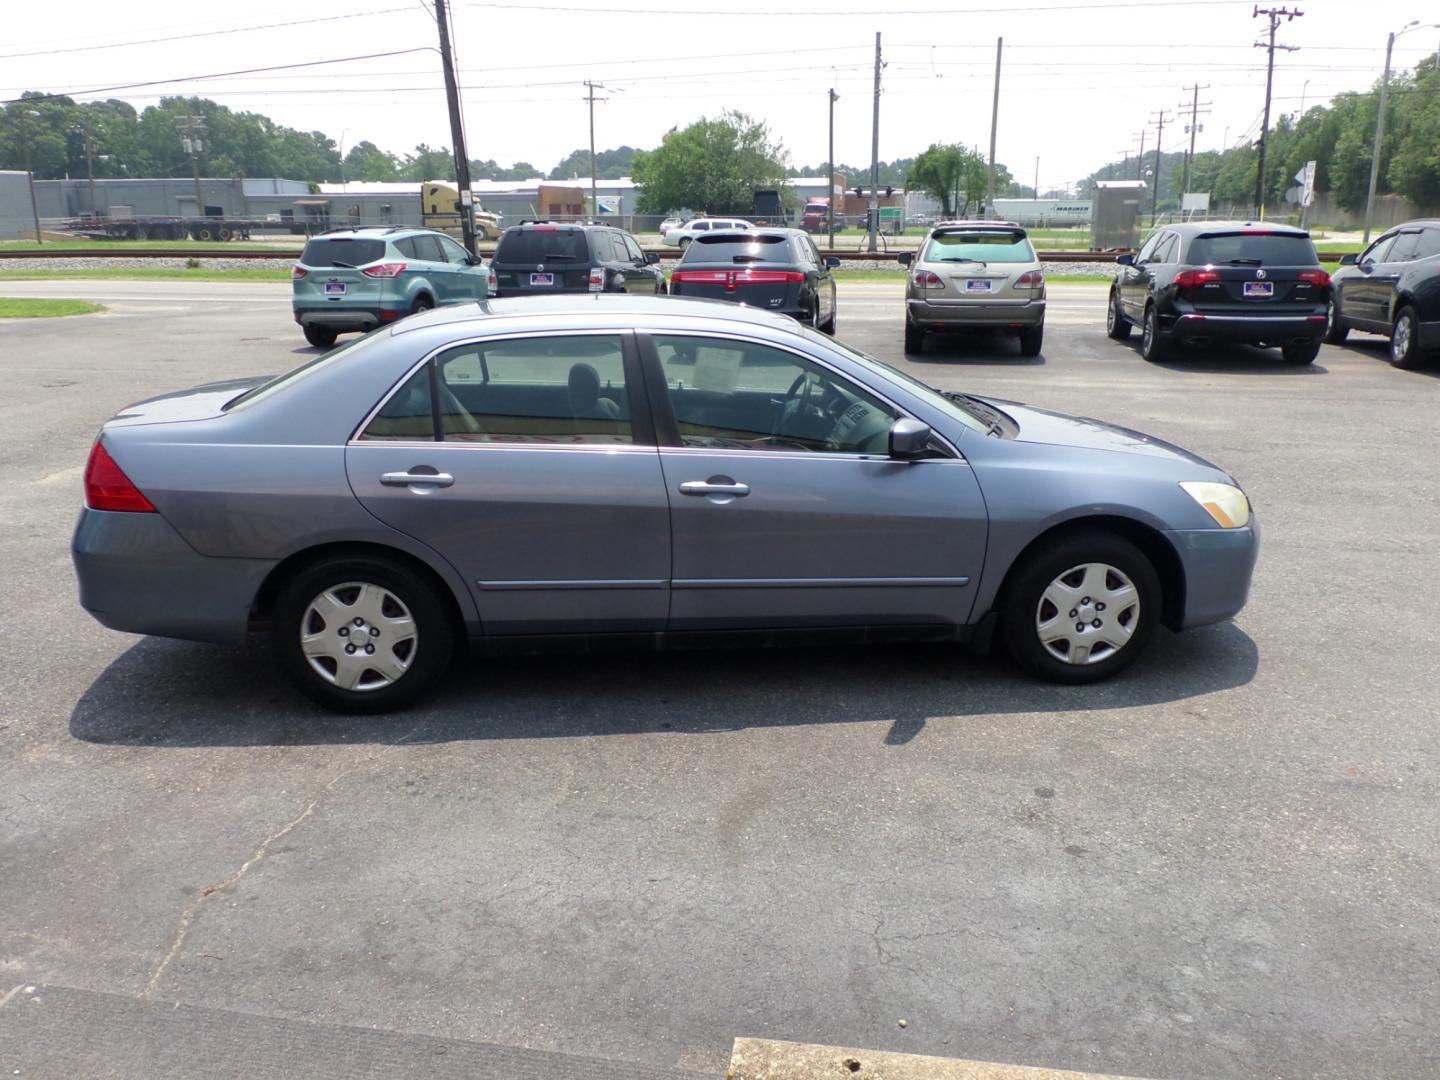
342	251
295	374
543	245
934	398
1254	249
997	246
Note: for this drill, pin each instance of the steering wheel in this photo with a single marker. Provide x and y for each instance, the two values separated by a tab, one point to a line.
796	403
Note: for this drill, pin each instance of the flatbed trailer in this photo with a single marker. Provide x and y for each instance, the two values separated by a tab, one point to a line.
172	228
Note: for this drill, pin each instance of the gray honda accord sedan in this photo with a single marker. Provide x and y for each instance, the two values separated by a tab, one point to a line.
522	473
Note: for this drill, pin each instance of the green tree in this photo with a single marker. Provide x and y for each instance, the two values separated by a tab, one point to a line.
714	166
428	163
609	164
366	161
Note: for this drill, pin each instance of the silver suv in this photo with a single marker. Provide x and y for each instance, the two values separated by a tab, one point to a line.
975	274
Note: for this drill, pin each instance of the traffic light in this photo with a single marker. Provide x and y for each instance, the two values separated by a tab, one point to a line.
859	192
889	191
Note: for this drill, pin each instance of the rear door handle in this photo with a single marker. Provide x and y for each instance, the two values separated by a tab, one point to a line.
409	479
706	487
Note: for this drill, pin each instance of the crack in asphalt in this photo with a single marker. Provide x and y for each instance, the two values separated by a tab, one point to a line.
192	910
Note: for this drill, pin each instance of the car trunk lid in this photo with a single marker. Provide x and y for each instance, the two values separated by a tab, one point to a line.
197	403
758	284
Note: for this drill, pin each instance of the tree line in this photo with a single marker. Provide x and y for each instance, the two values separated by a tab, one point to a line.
1338	136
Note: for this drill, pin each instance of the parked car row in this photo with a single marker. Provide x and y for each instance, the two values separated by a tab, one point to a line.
356	279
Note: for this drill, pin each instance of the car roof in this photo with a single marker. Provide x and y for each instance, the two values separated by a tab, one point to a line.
522	313
381	230
1200	228
986	224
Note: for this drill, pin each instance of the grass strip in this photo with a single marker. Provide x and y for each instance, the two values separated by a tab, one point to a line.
27	307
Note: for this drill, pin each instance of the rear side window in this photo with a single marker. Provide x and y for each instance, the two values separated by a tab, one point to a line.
998	246
1429	244
342	251
428	249
544	244
1253	249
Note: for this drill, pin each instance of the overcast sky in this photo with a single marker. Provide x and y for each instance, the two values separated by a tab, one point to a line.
1071	93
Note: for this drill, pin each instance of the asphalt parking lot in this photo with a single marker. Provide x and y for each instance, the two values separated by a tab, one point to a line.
1222	864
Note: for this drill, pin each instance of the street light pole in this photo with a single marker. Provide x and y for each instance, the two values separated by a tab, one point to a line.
830	171
30	174
873	209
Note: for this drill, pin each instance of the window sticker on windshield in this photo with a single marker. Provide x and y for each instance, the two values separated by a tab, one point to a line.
716	370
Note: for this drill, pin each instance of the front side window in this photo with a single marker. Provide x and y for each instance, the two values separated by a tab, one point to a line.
453	252
1378	251
632	248
740	395
567	390
1148	250
1166	251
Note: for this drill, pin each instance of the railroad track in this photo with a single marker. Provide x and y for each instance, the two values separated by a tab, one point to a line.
665	253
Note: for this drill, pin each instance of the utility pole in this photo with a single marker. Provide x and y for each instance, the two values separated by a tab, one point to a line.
590	88
1193	129
1037	177
1274	15
26	114
1124	164
87	145
1379	133
830	170
1140	158
994	121
1155	195
874	207
194	126
457	130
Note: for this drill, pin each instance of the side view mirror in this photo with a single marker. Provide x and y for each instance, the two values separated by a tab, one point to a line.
832	262
909	439
651	259
905	258
1125	260
1349	259
473	260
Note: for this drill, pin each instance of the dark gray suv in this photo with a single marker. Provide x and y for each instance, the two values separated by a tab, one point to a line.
537	258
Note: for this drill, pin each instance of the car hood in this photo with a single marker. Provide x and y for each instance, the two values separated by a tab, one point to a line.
196	403
1061	429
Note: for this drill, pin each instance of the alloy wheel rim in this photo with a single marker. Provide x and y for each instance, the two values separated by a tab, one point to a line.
1111	319
1149	333
1087	614
358	636
1400	342
1330	316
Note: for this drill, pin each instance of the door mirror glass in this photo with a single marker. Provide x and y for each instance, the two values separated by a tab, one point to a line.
832	262
909	439
1349	259
473	260
651	259
1125	260
905	258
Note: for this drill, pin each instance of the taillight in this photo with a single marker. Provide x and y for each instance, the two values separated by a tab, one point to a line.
928	279
768	277
108	488
699	277
1190	279
597	279
492	283
384	270
1031	278
1318	278
298	272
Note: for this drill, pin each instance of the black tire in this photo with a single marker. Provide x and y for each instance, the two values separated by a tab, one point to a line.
204	232
1152	346
1116	325
1336	328
684	242
1031	338
914	338
1300	353
322	337
829	327
422	303
425	659
1023	605
1405	340
224	233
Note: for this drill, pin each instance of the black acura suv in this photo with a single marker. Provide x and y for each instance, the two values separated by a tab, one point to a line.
1214	282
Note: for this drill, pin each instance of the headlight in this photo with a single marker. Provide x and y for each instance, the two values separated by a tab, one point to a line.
1223	502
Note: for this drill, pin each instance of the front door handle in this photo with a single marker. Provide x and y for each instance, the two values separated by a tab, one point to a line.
408	479
707	487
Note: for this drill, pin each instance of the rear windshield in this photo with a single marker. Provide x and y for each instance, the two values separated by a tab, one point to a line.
1000	246
1253	249
543	245
723	247
342	251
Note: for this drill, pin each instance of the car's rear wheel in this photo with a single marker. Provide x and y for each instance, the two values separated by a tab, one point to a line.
1152	346
1300	352
1031	338
362	635
914	338
1336	328
1116	324
1080	609
322	337
1405	340
684	242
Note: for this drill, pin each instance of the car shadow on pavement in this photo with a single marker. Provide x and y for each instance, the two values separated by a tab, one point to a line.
1233	360
981	348
163	693
1378	349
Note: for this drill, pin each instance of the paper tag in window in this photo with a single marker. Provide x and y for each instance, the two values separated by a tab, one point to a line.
716	370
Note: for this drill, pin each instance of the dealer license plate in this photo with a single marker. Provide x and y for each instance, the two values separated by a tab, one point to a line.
542	279
977	286
1259	288
334	288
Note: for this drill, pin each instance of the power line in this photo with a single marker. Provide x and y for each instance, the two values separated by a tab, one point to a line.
868	14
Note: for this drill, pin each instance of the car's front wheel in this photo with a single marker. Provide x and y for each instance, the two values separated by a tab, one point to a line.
1116	325
322	337
362	635
1080	609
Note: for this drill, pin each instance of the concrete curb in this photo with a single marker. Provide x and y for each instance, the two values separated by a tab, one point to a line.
770	1059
